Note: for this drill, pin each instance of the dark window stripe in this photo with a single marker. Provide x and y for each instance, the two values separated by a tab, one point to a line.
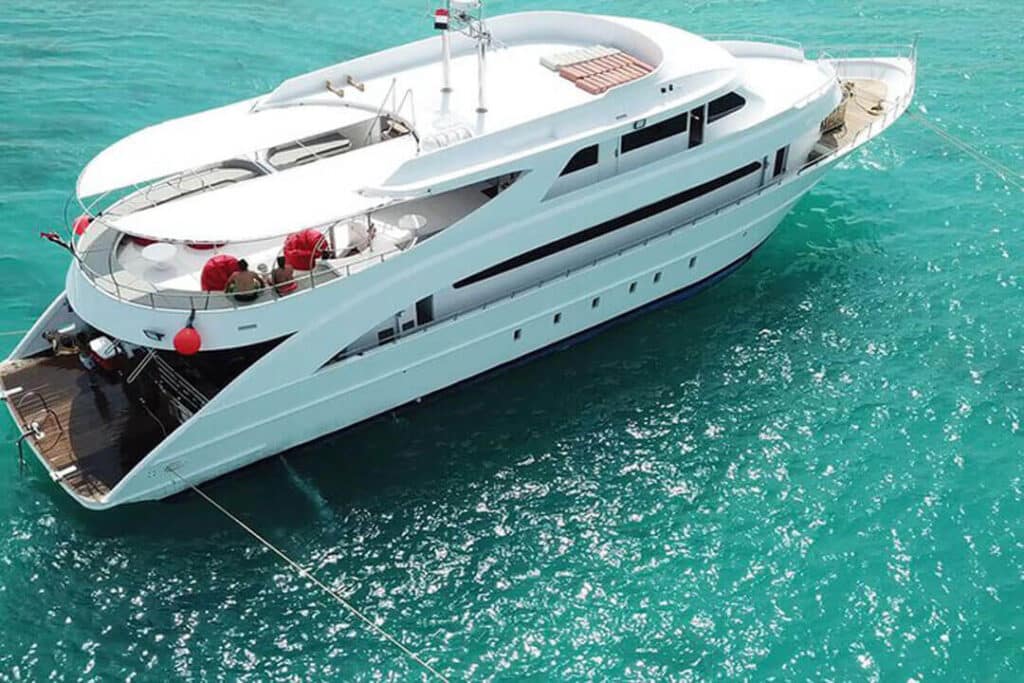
724	105
582	159
655	132
612	225
780	161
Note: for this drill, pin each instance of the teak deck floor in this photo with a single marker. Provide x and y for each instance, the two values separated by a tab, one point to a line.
867	105
97	428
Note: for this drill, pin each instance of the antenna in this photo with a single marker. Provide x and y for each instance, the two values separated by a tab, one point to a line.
466	17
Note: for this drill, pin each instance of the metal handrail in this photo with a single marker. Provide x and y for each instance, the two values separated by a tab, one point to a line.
203	300
823	51
843	50
409	95
753	38
182	387
380	110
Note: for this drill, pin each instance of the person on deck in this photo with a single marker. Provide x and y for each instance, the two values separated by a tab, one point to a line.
86	358
283	277
244	284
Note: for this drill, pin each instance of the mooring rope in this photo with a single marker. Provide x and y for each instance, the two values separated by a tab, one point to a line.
14	333
1000	169
302	572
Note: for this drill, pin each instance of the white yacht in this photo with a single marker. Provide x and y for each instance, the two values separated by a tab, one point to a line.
441	209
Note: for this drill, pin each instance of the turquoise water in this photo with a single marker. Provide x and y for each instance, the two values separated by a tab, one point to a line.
812	471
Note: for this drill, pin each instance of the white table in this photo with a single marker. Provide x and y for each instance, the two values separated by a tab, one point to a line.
160	254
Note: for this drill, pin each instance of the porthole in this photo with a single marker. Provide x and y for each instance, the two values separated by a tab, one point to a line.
558	318
632	287
517	335
657	278
693	261
595	302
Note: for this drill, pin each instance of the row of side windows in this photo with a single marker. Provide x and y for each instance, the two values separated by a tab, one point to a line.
609	226
693	121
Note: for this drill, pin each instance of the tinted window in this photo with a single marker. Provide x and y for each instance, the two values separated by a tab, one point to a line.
724	105
582	159
654	133
780	161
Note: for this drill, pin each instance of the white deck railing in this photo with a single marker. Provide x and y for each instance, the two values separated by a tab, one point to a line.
106	280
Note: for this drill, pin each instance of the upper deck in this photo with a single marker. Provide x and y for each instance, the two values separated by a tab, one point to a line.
526	102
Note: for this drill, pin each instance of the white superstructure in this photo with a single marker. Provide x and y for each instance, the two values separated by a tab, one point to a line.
577	168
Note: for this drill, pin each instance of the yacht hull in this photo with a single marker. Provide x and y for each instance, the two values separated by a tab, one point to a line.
537	228
661	270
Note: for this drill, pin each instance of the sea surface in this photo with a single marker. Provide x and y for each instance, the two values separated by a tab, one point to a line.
812	471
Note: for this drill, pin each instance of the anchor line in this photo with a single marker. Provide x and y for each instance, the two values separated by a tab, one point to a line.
1000	169
304	573
14	333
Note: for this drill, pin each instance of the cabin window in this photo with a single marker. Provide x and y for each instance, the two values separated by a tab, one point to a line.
558	318
585	158
780	161
632	287
385	335
654	133
657	278
517	335
724	105
425	311
594	303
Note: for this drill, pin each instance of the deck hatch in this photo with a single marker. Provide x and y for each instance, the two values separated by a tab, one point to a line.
597	69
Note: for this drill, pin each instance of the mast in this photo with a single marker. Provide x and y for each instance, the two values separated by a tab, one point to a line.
466	17
483	37
442	19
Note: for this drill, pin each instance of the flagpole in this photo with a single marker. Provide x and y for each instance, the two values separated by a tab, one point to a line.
446	49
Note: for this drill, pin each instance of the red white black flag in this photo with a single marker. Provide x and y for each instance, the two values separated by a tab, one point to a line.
441	20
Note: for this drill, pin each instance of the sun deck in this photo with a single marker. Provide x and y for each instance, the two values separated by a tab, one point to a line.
406	82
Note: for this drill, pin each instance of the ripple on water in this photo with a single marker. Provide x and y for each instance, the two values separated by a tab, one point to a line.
811	471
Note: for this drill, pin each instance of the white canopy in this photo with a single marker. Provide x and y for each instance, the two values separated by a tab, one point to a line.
276	204
206	138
